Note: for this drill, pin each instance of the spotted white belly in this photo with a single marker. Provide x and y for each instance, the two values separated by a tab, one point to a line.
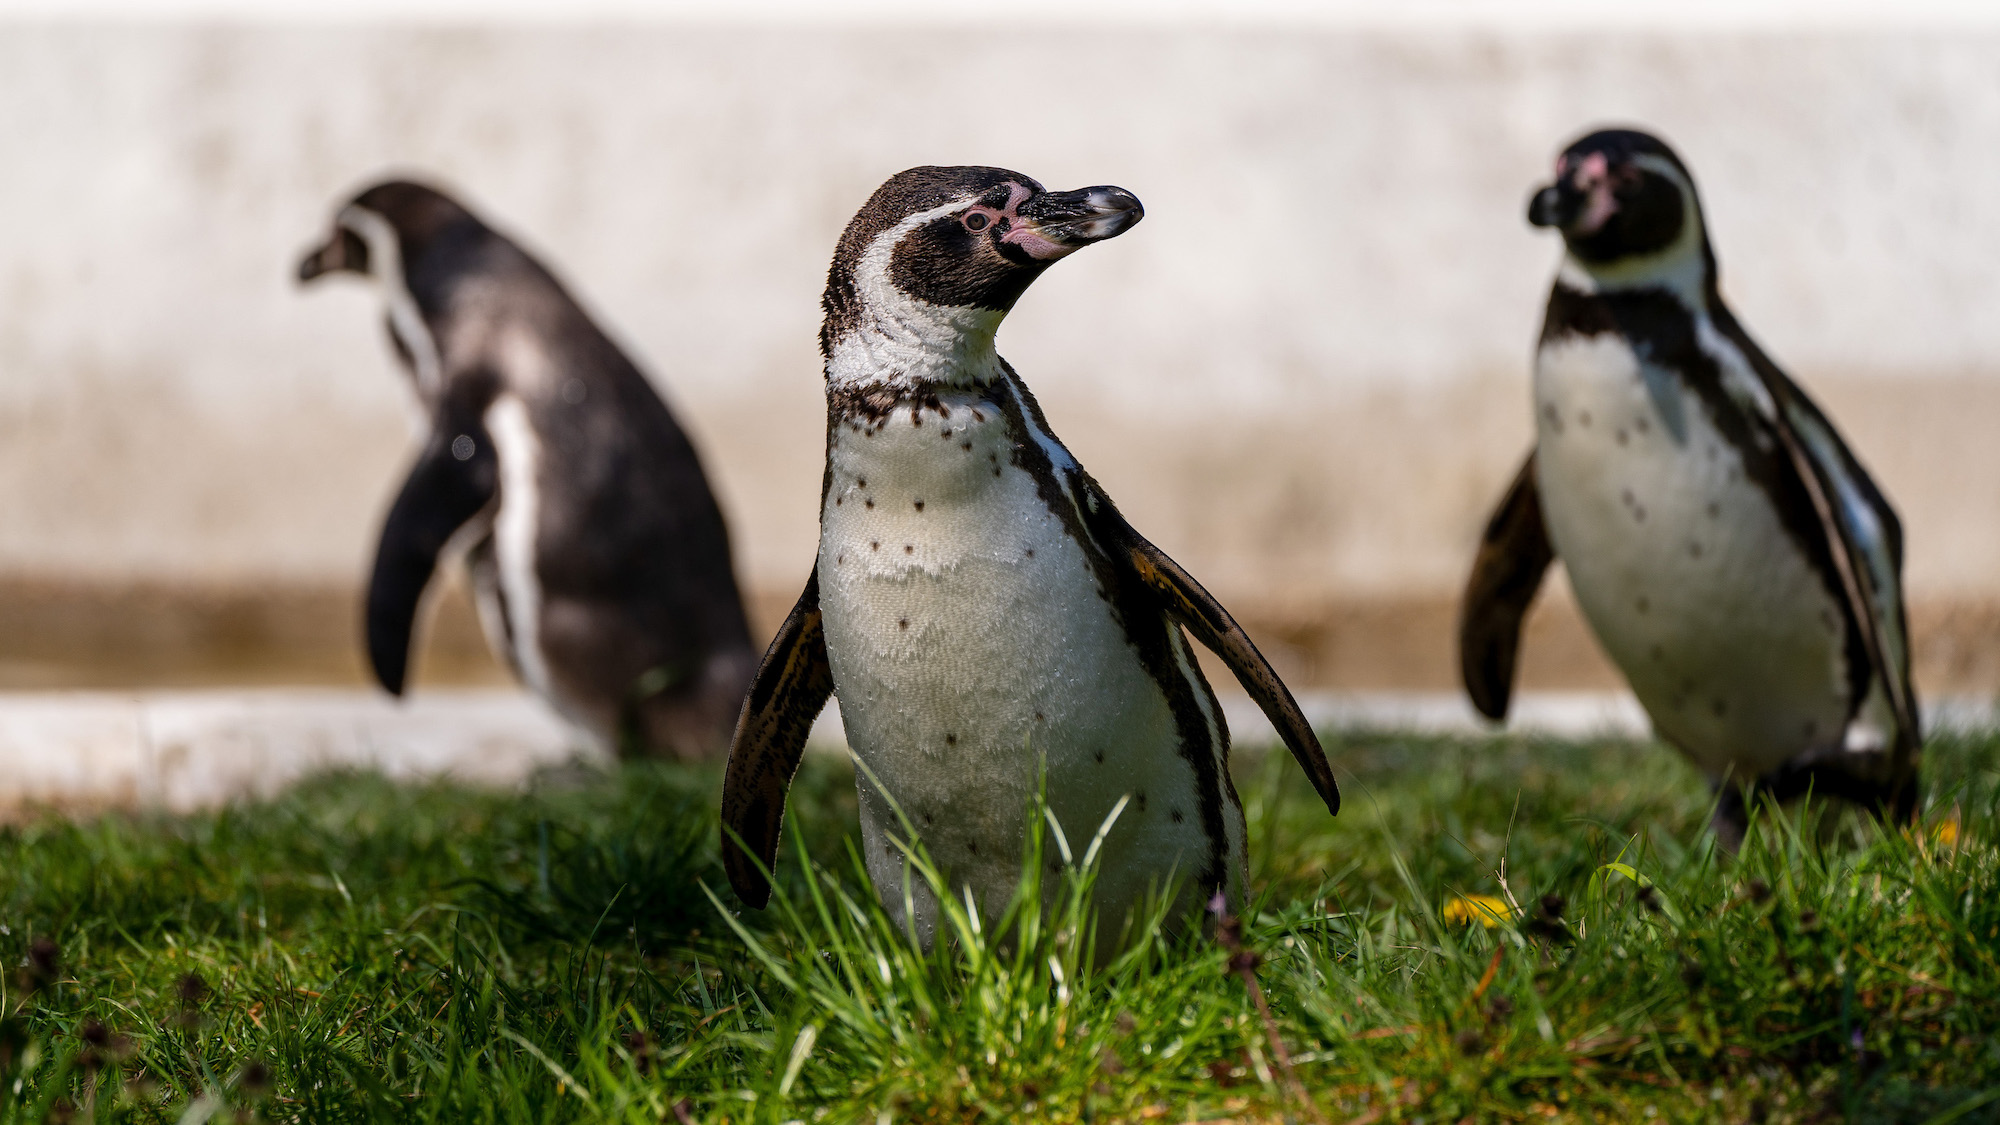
1728	636
969	645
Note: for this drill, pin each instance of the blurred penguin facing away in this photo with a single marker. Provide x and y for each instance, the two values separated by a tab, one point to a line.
984	613
597	555
1732	556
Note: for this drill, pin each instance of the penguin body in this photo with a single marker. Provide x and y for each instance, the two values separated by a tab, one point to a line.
598	557
1725	626
1729	552
992	626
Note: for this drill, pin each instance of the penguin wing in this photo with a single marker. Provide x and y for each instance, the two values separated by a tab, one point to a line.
791	688
1211	624
1514	553
455	477
1863	535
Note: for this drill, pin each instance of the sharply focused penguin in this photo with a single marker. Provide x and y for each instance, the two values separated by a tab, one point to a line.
1731	554
598	557
979	606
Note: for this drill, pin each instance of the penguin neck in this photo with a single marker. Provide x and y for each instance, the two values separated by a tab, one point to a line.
912	346
1686	269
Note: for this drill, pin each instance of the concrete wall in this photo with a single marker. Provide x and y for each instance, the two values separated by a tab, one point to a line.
1304	374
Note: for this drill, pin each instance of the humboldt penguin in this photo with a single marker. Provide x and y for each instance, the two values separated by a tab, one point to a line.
1731	554
597	555
991	624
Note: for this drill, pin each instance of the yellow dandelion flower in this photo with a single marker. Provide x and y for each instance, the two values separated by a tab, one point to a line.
1945	832
1487	910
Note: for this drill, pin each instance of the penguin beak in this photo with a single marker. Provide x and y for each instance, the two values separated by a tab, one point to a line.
344	251
1584	196
1055	224
1556	205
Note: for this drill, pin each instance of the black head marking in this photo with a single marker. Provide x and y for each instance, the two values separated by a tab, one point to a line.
423	219
1611	198
983	253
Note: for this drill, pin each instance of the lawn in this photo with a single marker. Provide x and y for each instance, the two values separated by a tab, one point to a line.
357	950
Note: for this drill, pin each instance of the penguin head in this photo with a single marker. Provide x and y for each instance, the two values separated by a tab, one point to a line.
1625	205
385	230
945	252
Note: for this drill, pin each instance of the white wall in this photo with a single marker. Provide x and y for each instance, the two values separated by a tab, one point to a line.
1304	373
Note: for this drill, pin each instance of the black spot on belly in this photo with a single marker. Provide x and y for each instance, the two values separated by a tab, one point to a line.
1554	416
951	740
1714	510
1175	815
1639	513
972	846
1099	755
862	483
920	505
916	419
1620	435
1643	426
1038	717
908	549
874	544
836	501
1583	418
978	417
870	503
838	559
968	447
1658	653
1031	552
1642	604
1139	799
926	817
996	472
946	433
903	623
1694	548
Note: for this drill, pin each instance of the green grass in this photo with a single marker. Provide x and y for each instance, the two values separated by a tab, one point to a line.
357	950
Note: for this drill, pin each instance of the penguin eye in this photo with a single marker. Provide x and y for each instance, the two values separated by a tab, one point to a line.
976	221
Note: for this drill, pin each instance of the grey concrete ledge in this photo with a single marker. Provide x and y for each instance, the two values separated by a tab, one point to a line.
187	750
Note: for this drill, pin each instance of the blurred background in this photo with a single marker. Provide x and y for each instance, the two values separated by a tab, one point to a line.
1305	376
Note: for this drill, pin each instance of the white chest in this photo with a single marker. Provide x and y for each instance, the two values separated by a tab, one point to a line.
1679	561
971	648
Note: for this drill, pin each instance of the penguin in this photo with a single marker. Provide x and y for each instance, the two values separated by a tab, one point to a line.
1729	551
992	626
598	558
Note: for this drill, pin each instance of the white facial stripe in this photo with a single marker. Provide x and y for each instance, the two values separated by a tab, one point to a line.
514	533
902	340
1679	268
385	265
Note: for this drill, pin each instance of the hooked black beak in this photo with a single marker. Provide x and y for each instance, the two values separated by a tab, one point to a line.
1057	223
1556	205
343	251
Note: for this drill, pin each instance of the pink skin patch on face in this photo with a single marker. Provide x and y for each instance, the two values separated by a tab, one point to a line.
1594	178
1022	234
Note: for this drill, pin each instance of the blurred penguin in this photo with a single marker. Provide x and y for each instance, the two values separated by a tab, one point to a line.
1731	554
598	557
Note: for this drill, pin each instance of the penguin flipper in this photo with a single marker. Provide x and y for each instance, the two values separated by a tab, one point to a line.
443	491
791	688
1191	605
1863	535
1514	553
